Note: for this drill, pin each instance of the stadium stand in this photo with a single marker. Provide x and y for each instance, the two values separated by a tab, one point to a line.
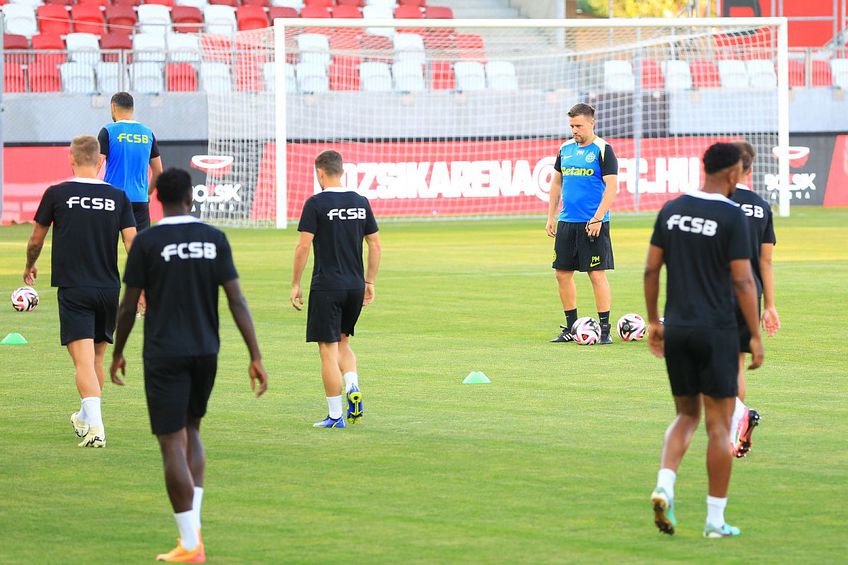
148	47
88	18
146	77
251	17
839	72
501	75
120	18
618	76
187	19
14	79
220	19
677	74
83	48
312	77
109	77
442	76
154	19
53	19
375	77
77	78
470	76
20	20
408	76
183	48
112	43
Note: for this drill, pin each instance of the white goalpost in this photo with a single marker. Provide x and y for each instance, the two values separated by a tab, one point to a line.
463	118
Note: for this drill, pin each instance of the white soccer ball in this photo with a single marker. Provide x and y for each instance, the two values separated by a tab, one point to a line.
24	299
587	331
631	327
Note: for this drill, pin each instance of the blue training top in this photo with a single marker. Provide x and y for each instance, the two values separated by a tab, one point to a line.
583	170
128	146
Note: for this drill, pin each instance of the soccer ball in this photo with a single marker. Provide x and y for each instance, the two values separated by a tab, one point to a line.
587	331
24	299
631	327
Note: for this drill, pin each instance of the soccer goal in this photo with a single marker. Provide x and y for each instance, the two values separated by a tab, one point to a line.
463	118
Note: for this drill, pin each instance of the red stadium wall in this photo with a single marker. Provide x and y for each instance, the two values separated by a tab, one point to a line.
801	33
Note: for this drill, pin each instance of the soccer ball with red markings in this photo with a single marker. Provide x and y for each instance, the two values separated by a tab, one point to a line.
631	327
587	331
24	299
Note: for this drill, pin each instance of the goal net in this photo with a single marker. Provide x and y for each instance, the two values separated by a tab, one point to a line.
464	118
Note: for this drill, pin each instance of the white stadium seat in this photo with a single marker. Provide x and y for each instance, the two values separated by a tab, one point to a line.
314	48
618	76
269	74
148	47
379	13
77	78
409	47
193	3
386	3
83	48
219	19
733	74
147	77
154	18
20	19
109	77
409	76
183	48
839	71
501	75
296	4
30	3
312	78
470	76
678	75
375	77
216	77
761	73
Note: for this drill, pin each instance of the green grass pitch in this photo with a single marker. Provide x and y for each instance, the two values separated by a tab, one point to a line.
551	463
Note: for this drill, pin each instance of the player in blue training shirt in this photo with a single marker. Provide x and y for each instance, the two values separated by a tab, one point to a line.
585	179
132	157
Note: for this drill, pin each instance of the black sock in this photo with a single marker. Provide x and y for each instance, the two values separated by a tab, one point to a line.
570	317
604	317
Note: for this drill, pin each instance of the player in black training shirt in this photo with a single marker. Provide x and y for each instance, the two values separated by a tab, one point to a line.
762	240
702	238
334	222
87	215
179	264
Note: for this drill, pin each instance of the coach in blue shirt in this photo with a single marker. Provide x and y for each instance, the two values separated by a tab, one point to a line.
132	157
585	178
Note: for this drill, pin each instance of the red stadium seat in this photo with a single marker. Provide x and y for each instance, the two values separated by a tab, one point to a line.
102	3
347	12
315	12
13	78
233	3
442	76
439	13
325	3
49	42
345	39
59	2
408	13
705	74
251	17
126	2
376	48
263	3
247	73
180	77
419	3
115	42
652	77
470	47
187	19
275	12
344	73
12	41
822	74
53	19
168	3
120	18
357	3
797	73
44	78
88	19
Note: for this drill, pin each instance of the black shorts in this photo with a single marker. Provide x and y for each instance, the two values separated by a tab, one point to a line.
574	251
702	361
141	211
87	313
333	313
744	333
177	388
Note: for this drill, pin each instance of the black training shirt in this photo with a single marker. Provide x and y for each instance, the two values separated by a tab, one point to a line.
700	234
760	226
88	216
339	219
180	263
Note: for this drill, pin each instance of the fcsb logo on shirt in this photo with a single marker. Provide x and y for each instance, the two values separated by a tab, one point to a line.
191	250
134	137
692	225
347	213
91	203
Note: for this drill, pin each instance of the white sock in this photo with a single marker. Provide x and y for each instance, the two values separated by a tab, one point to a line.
715	511
91	407
665	481
334	403
351	379
738	414
188	531
195	505
81	413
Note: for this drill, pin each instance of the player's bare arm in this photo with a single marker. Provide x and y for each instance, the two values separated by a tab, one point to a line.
771	321
653	266
301	256
375	252
593	228
128	236
244	321
554	197
126	321
34	247
155	170
746	298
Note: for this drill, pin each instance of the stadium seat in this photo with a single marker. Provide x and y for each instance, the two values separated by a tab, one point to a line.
55	46
12	41
409	47
678	76
470	76
376	48
57	2
183	48
312	78
53	19
357	3
618	76
409	76
761	73
314	48
296	4
733	74
148	47
14	79
154	19
116	42
350	12
344	73
839	72
180	77
20	20
233	3
100	3
652	76
220	19
166	3
281	12
44	78
822	75
345	39
120	18
109	77
251	17
83	48
216	78
31	3
262	3
146	77
379	13
417	3
438	13
77	78
187	19
500	75
381	3
126	2
470	47
199	4
705	74
88	19
408	13
268	75
375	77
328	3
797	73
316	12
442	76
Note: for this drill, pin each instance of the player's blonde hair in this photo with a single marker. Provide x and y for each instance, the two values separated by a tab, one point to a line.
85	150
